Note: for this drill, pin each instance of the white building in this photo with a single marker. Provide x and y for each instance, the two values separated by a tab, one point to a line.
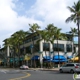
46	48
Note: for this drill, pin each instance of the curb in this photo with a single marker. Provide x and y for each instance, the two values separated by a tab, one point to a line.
35	69
54	69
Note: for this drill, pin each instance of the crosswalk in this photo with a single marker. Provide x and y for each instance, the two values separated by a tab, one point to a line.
17	71
9	71
4	71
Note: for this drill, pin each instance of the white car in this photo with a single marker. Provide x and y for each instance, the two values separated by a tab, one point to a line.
70	67
24	67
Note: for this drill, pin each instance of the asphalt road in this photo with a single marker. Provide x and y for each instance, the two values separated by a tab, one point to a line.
34	75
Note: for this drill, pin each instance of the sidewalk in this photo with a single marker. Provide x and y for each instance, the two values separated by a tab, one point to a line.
42	69
45	69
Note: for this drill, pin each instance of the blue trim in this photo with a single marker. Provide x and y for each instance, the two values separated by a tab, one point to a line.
36	57
56	60
59	60
61	57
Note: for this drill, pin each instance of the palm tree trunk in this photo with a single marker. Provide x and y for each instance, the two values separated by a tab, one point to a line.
78	20
73	48
79	46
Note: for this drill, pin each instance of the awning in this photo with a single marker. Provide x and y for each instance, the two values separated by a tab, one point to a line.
47	57
11	60
75	59
61	57
36	57
27	58
56	60
59	60
21	58
0	61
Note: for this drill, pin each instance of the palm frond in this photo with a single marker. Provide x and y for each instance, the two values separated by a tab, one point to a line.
71	18
71	9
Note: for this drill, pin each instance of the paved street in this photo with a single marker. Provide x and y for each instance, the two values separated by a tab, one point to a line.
33	75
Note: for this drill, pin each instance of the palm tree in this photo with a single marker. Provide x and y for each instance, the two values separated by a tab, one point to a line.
58	35
44	36
7	45
33	29
51	30
17	39
75	17
73	32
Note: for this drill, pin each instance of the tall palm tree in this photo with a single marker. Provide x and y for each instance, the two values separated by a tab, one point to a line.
33	29
51	32
17	39
75	17
51	29
58	35
73	32
45	37
7	45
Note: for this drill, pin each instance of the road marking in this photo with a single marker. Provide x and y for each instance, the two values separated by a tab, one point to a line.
4	71
20	78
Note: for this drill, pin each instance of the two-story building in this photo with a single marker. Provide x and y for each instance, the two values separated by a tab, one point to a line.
33	46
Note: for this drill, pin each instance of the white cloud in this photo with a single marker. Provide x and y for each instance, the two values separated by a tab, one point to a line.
10	21
42	12
52	11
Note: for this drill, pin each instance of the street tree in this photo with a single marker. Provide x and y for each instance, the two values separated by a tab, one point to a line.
75	17
34	29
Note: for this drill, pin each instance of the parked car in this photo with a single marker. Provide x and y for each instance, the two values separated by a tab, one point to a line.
24	67
70	67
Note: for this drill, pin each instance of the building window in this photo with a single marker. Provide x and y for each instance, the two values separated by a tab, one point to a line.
68	47
28	40
60	47
74	49
28	50
46	46
36	48
35	37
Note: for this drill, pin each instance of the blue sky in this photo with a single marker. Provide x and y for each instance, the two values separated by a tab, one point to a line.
17	14
23	5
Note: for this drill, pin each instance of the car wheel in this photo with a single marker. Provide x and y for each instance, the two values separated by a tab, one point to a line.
61	71
71	71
